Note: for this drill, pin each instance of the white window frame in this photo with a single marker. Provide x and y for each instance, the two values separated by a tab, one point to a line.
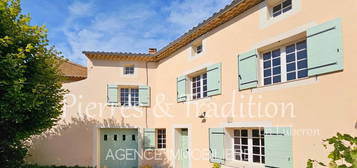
296	61
283	64
163	139
202	91
129	72
250	145
130	102
281	9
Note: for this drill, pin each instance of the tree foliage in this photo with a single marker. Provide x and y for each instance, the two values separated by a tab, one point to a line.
30	83
344	154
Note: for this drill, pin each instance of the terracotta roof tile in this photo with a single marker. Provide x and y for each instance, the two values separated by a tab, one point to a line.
73	70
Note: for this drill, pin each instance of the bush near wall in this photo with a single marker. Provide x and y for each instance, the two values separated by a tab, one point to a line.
37	166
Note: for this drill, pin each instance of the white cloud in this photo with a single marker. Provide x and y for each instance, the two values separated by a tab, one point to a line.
79	8
189	13
132	28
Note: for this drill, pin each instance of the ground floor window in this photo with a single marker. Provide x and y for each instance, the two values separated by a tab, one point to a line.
161	138
248	145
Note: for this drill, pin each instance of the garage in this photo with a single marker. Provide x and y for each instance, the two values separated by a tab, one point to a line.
118	148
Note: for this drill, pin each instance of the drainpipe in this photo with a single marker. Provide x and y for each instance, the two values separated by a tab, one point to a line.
147	84
151	51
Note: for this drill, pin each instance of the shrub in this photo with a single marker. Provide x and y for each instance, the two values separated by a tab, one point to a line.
216	165
31	91
146	166
344	154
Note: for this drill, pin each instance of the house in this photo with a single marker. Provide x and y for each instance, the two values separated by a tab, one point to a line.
259	84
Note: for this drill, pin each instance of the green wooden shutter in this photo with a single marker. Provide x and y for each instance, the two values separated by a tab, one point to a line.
247	70
324	48
112	94
149	138
214	80
216	145
181	89
144	96
278	147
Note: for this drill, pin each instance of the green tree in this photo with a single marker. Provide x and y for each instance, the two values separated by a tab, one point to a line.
30	83
344	154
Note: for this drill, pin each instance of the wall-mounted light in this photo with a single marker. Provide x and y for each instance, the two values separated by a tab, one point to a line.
202	115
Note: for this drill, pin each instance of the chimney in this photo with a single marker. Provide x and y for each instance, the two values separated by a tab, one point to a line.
152	50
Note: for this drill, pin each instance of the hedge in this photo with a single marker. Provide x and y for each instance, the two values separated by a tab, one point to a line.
53	166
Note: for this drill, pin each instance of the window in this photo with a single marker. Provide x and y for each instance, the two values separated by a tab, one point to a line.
248	145
115	137
199	49
199	86
105	137
285	63
133	137
129	96
281	8
272	67
296	60
161	138
128	70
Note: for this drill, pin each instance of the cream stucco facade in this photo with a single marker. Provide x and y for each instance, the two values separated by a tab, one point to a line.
314	107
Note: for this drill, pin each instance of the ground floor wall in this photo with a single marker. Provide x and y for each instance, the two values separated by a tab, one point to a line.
78	143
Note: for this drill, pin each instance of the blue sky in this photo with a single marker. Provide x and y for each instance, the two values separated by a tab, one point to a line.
116	25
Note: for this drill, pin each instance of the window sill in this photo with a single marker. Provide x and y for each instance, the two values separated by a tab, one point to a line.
129	75
242	164
160	149
199	100
195	55
288	84
118	105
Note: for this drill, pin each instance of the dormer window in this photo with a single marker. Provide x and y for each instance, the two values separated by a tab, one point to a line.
280	8
199	49
129	70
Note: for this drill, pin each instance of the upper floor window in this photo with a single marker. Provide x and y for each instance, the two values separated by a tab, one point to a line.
281	8
128	70
199	49
129	96
205	82
199	86
296	61
285	63
272	67
248	145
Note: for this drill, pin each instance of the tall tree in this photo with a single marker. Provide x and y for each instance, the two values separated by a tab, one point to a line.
30	83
